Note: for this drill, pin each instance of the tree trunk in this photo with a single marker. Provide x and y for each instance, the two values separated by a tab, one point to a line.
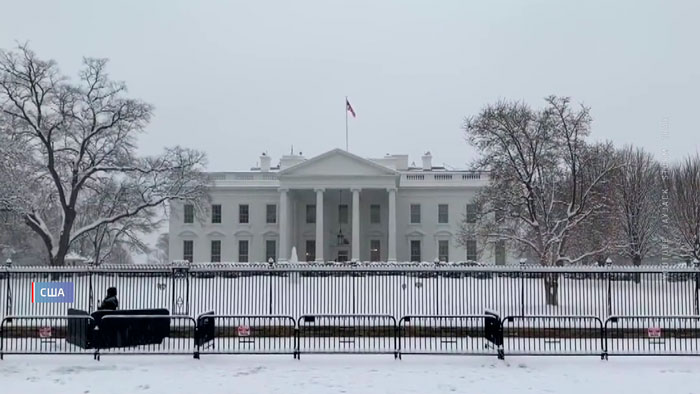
59	260
637	261
551	288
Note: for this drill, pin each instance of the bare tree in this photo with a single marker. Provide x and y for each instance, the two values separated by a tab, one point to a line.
599	229
109	238
159	254
637	193
77	138
543	183
684	208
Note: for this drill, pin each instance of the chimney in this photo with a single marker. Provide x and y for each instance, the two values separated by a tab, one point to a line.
427	161
265	162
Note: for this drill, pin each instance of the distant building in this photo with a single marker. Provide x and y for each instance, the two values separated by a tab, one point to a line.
336	206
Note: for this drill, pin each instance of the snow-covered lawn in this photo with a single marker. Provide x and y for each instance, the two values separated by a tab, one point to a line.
347	374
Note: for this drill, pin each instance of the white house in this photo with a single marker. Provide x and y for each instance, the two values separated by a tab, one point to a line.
336	206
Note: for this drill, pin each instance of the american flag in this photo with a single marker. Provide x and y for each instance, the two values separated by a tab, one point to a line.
348	107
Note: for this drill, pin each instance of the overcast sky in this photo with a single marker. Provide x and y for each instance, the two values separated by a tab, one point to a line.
238	78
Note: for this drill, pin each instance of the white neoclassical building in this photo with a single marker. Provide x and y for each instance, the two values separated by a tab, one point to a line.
334	207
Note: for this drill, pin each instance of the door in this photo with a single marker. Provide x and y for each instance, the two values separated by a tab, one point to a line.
375	251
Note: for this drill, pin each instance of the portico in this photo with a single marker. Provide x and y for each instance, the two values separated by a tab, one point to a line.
343	180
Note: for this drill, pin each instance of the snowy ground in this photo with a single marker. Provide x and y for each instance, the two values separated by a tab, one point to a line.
347	374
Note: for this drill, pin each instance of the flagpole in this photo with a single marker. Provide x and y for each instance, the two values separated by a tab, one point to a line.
346	124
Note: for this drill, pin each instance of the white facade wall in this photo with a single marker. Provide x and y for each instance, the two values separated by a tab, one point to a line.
336	173
429	231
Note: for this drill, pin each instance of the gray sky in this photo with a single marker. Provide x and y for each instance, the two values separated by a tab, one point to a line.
236	78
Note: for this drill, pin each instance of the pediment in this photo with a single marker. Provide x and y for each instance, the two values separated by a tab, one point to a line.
415	234
443	234
338	163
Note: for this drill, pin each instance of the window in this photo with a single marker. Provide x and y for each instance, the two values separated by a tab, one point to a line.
415	213
216	251
444	250
442	213
375	250
188	250
471	249
311	213
374	214
216	213
500	252
271	213
243	251
310	250
270	250
243	216
342	256
471	213
343	213
415	251
189	213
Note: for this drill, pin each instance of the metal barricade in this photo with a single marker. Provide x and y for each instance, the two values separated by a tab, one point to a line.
553	335
46	335
147	334
237	334
450	335
347	334
652	335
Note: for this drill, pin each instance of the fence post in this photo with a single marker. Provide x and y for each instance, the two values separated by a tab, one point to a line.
269	283
522	286
91	294
696	302
297	334
8	292
354	293
608	264
180	297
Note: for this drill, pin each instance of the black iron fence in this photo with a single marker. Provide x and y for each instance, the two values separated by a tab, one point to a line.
319	308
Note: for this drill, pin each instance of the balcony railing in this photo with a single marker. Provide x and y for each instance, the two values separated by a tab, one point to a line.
461	178
455	178
244	178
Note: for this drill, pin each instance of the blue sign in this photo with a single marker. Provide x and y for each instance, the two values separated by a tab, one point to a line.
52	292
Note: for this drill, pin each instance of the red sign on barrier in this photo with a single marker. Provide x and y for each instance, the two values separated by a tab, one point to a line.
44	332
243	331
654	332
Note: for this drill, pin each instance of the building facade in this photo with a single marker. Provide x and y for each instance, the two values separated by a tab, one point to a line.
334	207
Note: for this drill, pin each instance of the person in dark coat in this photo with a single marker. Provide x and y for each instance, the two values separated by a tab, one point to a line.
110	302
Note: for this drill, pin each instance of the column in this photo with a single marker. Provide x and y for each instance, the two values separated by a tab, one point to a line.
355	224
284	226
319	224
392	225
